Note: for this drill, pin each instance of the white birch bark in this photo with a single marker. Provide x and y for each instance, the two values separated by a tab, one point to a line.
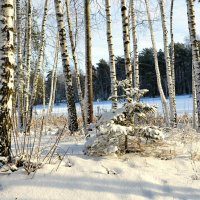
54	88
43	85
172	46
126	41
74	55
162	96
172	97
194	95
195	54
88	63
7	62
135	45
111	55
19	66
28	61
53	77
72	116
38	66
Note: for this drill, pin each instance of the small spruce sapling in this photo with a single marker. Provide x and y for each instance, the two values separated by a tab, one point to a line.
111	131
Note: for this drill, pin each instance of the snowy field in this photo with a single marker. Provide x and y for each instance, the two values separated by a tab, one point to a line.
184	105
168	172
129	177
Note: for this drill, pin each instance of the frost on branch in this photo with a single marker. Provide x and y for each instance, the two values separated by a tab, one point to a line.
115	131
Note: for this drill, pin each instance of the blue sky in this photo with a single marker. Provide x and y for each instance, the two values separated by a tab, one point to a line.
180	30
99	40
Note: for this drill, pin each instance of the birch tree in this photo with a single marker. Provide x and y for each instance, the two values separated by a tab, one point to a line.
135	45
111	55
72	116
172	45
162	96
19	65
43	84
195	54
194	95
6	74
126	41
88	63
38	65
28	61
74	55
53	76
172	97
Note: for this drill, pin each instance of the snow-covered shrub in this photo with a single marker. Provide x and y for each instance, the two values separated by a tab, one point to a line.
111	131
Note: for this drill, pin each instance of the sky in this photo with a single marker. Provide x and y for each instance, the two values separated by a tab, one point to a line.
180	31
99	40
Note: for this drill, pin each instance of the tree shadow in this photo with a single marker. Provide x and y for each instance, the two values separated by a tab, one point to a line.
108	184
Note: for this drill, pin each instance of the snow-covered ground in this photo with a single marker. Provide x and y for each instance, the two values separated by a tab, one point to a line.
184	105
168	171
129	177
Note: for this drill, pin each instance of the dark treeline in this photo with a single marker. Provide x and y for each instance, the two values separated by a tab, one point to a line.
101	75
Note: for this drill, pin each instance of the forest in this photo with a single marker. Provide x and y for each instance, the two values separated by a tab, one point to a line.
93	98
102	83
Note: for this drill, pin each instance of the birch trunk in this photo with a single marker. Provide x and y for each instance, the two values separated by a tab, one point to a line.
74	55
43	85
195	54
38	66
6	74
28	61
72	116
172	97
19	66
53	76
162	96
54	88
126	40
172	46
88	63
111	55
194	94
135	46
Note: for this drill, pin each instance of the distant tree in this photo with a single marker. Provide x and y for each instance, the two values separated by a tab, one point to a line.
103	87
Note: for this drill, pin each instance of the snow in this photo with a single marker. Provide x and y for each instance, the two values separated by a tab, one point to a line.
184	105
167	171
129	177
